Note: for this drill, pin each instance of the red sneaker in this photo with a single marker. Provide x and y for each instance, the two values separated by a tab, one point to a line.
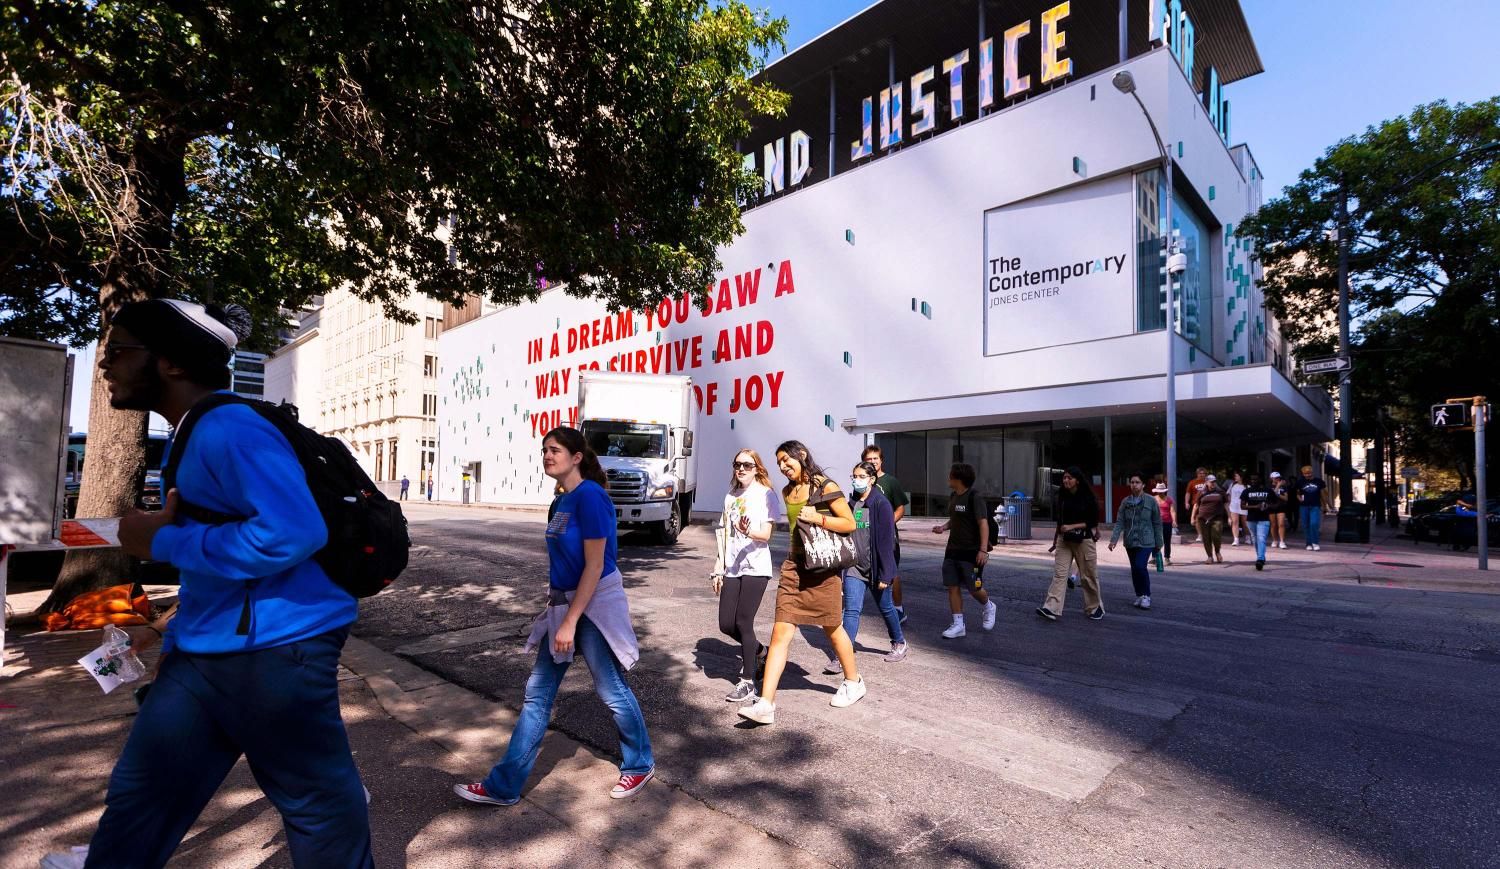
474	792
630	784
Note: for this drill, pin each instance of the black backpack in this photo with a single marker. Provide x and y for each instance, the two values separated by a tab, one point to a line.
368	544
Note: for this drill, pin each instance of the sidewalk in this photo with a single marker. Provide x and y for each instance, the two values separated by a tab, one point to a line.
414	735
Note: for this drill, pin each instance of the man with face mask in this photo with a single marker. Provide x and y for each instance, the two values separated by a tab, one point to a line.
249	664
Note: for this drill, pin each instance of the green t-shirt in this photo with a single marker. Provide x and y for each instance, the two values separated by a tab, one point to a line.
890	487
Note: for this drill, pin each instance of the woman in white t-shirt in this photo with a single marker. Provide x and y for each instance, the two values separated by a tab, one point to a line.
742	569
1236	512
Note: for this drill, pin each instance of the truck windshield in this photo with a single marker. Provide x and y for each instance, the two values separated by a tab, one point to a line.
632	440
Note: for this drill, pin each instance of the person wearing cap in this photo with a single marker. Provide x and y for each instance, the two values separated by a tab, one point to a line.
1208	517
249	664
1168	511
1279	518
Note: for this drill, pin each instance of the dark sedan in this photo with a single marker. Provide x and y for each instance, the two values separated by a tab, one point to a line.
1446	527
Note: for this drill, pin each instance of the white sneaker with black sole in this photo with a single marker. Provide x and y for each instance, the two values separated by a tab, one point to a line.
955	631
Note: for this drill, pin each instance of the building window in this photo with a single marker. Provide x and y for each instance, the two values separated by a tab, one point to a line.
393	459
433	327
429	405
429	366
379	461
1196	297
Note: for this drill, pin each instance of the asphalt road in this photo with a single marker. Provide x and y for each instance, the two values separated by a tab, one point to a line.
1249	719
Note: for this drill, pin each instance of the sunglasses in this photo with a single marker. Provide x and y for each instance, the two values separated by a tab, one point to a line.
111	351
744	466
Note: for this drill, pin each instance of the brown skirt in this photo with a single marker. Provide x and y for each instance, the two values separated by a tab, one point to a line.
805	598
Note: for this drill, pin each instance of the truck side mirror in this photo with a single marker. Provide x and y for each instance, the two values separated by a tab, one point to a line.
687	451
687	442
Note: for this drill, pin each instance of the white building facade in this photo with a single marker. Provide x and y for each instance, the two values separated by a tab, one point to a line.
370	380
958	257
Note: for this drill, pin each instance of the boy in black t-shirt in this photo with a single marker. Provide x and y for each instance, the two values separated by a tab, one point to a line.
968	549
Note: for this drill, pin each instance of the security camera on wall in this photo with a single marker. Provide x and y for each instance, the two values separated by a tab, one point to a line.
1177	263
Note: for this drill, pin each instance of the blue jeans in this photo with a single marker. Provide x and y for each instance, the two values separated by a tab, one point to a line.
505	780
1140	572
1312	523
1258	532
277	706
854	603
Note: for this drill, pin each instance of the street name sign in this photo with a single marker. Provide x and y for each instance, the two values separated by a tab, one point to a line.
1411	473
1324	366
1453	414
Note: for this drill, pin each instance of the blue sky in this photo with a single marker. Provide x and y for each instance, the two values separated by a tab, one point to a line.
1333	67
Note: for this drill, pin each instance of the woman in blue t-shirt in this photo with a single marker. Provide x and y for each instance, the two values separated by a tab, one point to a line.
587	612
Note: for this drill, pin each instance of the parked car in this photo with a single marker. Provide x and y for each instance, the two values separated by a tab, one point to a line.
149	498
1446	527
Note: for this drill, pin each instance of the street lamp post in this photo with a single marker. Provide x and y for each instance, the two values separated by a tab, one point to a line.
1349	520
1176	263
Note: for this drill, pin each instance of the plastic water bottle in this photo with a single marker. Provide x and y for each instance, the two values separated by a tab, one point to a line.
118	644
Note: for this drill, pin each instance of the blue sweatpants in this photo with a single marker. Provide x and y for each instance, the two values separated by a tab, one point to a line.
278	707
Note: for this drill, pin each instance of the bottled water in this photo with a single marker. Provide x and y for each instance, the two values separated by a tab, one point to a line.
128	667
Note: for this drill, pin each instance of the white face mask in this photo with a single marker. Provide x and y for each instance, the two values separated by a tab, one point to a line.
861	485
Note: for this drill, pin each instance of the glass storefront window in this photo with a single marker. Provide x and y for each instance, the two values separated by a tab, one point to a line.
1196	297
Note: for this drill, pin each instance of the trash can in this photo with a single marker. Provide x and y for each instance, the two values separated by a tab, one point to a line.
1353	523
1018	516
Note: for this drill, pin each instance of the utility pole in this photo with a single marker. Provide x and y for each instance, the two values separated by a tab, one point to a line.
1481	494
1348	521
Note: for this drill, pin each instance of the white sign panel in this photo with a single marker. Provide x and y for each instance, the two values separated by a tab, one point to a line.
1060	269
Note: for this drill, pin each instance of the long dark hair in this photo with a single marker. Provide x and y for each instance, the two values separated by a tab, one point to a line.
572	440
810	470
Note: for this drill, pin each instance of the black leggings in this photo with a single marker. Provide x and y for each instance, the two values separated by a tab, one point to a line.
738	602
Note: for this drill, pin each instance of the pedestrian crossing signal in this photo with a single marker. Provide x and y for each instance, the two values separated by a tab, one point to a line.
1451	415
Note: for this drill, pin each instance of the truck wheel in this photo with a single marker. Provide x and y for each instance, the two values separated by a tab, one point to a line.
666	532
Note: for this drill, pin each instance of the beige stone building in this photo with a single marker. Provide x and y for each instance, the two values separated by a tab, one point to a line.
370	380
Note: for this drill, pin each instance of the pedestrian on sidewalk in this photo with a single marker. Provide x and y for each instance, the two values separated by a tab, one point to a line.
872	512
1191	495
405	485
1138	521
967	551
249	665
1310	499
1232	504
1279	517
894	492
805	596
1208	517
742	569
1260	503
1077	534
587	612
1168	510
429	488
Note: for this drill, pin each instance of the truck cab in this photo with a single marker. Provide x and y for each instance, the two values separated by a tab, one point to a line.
641	426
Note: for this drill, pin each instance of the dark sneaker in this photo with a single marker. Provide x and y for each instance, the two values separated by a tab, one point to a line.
1260	565
745	690
1073	580
630	784
1047	614
1096	613
475	793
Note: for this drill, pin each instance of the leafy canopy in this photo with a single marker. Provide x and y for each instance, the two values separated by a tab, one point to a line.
1424	265
263	151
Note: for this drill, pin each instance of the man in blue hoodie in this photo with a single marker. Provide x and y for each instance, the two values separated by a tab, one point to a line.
249	664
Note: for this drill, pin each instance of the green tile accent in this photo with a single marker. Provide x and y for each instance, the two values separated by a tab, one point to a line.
849	236
1210	193
927	310
828	420
848	359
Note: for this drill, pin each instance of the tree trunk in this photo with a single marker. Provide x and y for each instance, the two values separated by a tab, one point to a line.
115	458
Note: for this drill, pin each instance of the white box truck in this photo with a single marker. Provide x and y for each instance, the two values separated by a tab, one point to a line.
642	425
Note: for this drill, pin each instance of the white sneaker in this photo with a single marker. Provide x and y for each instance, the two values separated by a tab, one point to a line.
1145	602
989	615
955	631
73	858
1234	543
849	693
1281	545
1137	601
761	712
1317	548
1309	547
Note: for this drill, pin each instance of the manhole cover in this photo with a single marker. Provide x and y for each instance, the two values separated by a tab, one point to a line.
1398	564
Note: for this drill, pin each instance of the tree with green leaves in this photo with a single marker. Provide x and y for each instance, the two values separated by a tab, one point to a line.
264	151
1424	267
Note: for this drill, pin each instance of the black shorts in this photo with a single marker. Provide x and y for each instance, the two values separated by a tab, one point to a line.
898	548
961	570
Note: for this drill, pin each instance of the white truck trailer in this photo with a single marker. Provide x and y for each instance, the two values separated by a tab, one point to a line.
642	425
